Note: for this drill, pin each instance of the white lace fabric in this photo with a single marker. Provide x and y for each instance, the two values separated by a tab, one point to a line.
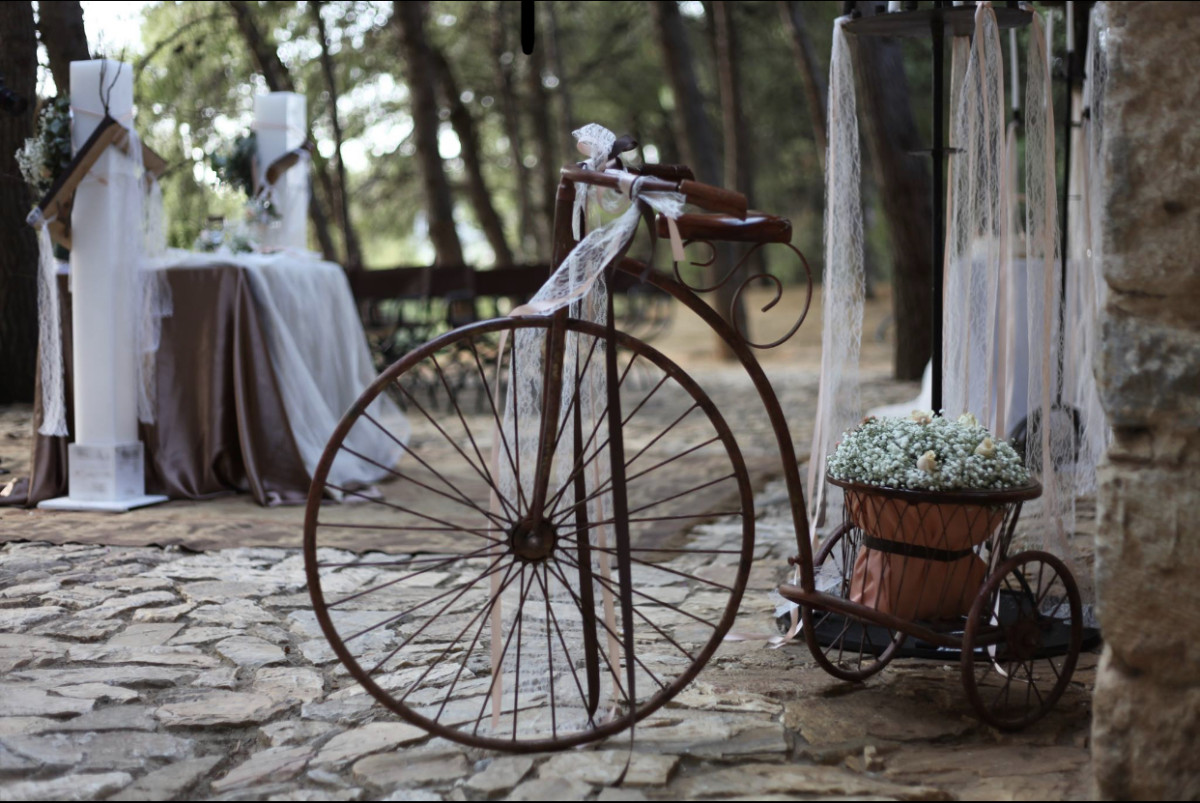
137	199
1003	341
838	405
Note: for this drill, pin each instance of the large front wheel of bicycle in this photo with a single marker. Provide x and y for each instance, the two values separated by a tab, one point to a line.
468	613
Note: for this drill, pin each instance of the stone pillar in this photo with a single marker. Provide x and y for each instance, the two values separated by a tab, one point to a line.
1146	727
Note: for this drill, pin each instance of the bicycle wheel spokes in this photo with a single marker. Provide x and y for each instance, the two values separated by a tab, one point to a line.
499	626
847	647
1022	640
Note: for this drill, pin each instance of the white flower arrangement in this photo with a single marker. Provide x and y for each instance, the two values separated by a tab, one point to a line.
927	452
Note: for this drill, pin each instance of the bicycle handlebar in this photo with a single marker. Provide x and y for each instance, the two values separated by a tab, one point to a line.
715	199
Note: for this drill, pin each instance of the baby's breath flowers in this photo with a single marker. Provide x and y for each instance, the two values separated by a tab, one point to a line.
927	452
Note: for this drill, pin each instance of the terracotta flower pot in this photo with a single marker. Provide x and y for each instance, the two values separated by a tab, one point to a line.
918	560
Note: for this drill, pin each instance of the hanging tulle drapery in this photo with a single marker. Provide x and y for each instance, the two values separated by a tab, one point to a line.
977	247
1048	432
843	287
1008	357
1086	290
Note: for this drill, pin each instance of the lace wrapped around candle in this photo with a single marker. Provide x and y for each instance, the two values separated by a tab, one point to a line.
50	358
286	197
579	284
136	199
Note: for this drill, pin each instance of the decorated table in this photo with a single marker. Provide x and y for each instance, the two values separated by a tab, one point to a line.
261	356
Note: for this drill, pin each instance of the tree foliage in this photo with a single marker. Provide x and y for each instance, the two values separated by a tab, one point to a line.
600	62
502	138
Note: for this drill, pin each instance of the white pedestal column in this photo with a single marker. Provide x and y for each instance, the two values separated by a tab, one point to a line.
106	461
280	122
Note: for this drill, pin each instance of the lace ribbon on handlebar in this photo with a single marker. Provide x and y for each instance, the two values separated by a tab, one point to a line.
578	284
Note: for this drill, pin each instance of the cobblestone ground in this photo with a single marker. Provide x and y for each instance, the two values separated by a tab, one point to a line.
148	673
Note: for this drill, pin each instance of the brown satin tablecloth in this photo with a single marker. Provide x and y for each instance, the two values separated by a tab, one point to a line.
220	424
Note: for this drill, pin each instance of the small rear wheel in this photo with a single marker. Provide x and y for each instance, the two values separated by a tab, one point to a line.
847	647
1022	640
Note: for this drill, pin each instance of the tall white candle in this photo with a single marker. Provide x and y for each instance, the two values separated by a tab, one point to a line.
93	84
102	324
105	464
280	123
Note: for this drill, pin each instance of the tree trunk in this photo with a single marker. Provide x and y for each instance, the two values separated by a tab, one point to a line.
18	245
409	19
554	41
815	93
904	189
322	196
547	154
694	132
512	127
349	237
266	58
739	167
696	137
468	138
61	26
265	55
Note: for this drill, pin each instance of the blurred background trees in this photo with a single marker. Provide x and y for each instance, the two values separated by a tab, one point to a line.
439	114
438	139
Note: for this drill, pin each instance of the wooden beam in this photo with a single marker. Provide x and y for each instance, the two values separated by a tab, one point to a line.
59	199
286	162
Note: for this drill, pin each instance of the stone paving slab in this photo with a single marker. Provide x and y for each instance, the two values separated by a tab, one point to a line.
140	673
238	712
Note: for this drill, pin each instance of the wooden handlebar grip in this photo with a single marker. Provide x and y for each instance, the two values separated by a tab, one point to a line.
667	172
715	199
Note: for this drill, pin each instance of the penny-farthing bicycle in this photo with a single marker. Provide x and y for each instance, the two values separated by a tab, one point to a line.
543	577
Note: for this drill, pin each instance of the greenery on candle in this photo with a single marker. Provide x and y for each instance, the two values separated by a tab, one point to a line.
45	156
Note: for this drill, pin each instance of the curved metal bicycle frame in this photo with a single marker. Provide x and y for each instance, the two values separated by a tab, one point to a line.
806	593
742	348
552	387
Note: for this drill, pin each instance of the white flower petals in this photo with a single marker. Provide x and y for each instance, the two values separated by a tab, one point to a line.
986	448
926	452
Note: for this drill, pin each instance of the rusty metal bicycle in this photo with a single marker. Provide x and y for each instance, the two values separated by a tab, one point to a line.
537	565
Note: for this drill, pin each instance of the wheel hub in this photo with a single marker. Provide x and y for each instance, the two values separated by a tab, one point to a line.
1023	638
533	540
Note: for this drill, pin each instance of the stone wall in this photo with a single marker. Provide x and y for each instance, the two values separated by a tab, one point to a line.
1146	727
